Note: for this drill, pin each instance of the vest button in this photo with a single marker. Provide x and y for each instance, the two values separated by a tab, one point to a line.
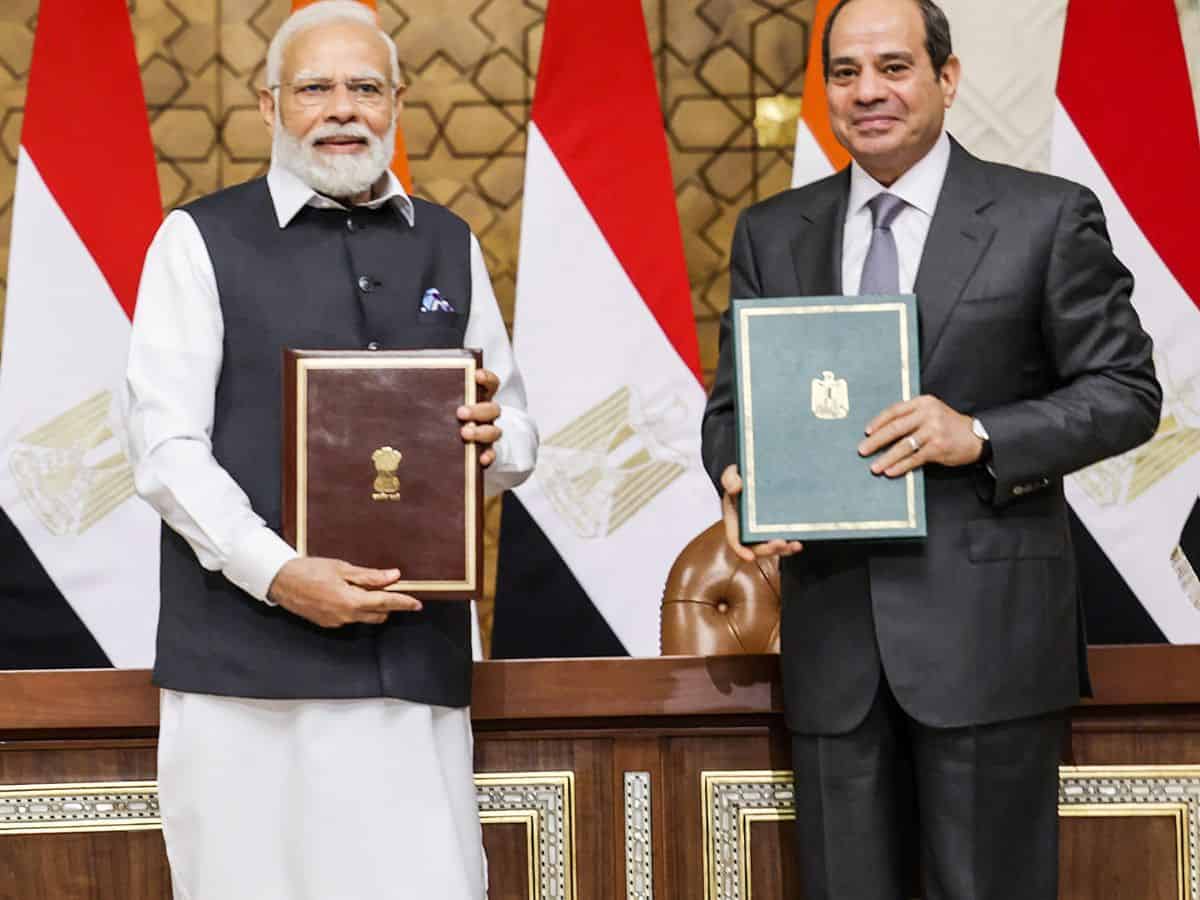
349	224
364	284
374	345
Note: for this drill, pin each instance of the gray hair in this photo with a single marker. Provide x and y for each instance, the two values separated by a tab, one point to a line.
322	13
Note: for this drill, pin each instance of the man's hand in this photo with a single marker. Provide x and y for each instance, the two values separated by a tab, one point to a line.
481	416
920	431
332	593
731	482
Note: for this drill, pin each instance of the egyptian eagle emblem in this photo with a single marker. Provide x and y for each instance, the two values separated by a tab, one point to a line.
830	397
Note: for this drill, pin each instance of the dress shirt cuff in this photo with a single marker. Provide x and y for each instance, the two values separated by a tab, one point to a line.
516	452
256	560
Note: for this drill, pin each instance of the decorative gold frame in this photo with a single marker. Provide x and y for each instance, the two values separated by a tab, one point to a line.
544	802
639	837
1126	791
470	455
73	808
732	801
755	528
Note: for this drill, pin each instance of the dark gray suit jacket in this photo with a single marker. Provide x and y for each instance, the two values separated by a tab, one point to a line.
1025	321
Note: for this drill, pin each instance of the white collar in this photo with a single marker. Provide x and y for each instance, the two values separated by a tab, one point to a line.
289	194
918	187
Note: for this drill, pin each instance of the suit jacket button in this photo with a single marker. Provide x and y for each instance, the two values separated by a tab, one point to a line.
364	284
374	345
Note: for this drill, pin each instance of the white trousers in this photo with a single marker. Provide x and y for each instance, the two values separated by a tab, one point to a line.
318	800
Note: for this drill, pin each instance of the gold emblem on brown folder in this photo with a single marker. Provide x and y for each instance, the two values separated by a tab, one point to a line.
387	484
830	397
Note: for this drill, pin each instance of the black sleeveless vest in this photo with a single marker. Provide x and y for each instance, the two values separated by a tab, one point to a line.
335	280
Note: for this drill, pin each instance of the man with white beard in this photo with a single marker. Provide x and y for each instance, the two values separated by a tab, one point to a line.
315	735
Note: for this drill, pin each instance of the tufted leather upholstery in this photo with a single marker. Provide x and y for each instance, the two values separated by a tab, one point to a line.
714	603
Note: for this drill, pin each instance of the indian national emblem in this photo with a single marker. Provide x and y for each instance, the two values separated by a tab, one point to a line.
387	484
830	397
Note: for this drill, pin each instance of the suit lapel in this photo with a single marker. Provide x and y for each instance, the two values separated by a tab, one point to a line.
817	246
958	238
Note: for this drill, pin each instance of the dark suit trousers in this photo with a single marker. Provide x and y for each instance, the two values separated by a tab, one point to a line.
979	804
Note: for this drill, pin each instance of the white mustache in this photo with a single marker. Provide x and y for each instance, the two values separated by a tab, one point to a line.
349	130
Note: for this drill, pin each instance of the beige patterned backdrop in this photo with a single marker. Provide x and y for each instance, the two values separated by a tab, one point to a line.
471	65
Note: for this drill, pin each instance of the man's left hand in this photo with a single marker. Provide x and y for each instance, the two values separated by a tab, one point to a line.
920	431
481	416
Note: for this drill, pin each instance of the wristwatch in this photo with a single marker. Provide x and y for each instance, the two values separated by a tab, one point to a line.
985	454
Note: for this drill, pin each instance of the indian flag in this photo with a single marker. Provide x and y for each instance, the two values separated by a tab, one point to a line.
86	207
1138	149
818	154
606	339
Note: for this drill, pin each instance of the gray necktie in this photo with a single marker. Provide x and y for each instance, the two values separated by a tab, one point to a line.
881	270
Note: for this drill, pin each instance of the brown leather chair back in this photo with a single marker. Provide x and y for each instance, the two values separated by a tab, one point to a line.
715	603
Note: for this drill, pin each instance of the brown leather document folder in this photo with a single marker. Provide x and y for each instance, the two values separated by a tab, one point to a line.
375	471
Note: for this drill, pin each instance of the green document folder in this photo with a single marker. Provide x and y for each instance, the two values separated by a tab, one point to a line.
810	373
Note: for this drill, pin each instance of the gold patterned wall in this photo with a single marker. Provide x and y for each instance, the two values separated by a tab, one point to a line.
471	66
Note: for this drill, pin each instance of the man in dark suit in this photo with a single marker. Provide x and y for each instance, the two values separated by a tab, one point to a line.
927	681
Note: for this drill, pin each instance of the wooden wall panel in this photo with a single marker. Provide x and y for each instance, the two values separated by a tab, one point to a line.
1129	800
591	763
774	871
114	865
1120	858
508	846
45	762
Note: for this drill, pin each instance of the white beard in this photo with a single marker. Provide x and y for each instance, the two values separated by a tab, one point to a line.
338	175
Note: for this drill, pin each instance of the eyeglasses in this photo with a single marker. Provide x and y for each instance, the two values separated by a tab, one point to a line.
369	92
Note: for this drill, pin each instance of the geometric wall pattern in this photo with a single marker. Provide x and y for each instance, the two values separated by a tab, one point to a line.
471	65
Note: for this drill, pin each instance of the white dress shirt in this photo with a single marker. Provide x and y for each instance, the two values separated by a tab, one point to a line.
919	188
175	358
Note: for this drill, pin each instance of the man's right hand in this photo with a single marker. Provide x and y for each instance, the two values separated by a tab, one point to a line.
332	593
731	482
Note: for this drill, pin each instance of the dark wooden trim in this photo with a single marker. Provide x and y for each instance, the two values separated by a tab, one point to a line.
1140	674
623	687
71	699
543	689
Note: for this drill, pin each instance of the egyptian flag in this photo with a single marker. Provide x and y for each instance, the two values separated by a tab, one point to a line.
400	160
79	583
818	154
1139	151
605	337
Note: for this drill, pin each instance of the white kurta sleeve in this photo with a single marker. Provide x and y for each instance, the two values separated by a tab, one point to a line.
171	382
516	451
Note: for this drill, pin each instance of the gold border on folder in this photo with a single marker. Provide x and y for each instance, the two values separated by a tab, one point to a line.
470	456
910	491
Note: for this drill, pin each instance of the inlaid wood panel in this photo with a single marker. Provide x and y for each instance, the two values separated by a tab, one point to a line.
1120	858
116	865
509	848
774	871
1128	805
